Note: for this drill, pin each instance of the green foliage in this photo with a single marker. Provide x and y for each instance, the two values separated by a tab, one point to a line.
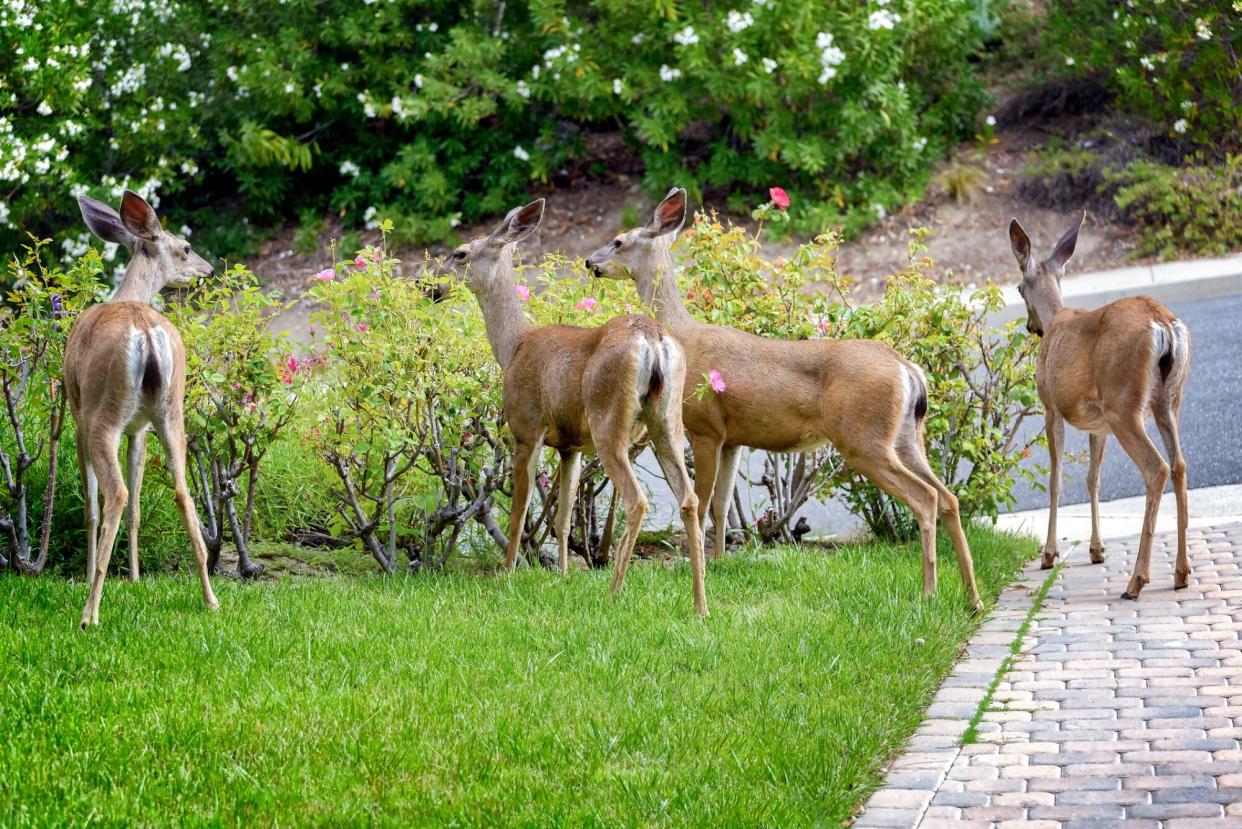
357	106
1175	63
1197	208
454	700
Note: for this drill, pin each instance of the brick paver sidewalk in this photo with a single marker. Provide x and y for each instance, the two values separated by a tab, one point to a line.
1113	713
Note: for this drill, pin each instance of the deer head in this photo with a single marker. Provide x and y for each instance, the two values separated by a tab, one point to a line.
639	251
481	263
162	259
1041	281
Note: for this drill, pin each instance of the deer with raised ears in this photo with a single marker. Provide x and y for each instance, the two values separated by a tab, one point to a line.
581	389
1105	371
125	374
783	396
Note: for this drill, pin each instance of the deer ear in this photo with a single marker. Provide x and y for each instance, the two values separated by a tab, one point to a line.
670	214
139	218
1065	248
104	222
520	223
1021	244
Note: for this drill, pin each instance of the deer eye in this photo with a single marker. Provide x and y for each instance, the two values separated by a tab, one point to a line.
616	244
187	250
459	255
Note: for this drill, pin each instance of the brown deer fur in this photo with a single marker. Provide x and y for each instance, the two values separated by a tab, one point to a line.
1105	371
861	396
125	373
578	389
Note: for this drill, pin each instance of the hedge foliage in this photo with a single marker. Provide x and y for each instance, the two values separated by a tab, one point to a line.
435	111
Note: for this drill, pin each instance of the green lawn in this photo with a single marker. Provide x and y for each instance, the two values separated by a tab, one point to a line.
527	700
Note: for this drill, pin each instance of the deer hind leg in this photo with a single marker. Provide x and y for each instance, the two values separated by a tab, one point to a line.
172	435
90	504
1167	423
1133	438
911	452
1097	443
103	450
136	459
571	466
706	452
885	470
1054	428
610	432
525	465
667	444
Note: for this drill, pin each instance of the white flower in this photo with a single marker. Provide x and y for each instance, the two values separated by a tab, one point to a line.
4	213
189	167
232	73
1186	106
31	65
769	65
667	73
880	212
44	108
920	144
1179	126
520	153
523	89
1202	30
289	87
739	21
990	120
739	57
617	86
828	74
1069	61
369	218
349	168
185	232
398	107
882	19
638	38
1147	63
418	79
687	36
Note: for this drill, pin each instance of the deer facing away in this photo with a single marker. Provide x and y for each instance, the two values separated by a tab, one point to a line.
1105	371
861	396
124	373
577	389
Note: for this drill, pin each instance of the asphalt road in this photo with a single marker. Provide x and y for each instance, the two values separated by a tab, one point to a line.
1211	414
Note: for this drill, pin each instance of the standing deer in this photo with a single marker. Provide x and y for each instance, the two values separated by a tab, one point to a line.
125	373
783	396
1105	371
577	389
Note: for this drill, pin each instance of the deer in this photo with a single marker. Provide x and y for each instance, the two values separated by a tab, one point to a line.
1105	372
124	373
860	396
578	390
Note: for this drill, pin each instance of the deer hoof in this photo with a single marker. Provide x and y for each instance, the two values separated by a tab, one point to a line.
1097	555
1181	581
1049	560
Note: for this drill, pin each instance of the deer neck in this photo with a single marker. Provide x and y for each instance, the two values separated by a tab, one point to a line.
1046	300
502	313
141	281
657	288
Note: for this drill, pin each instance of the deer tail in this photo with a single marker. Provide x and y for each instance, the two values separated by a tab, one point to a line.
917	385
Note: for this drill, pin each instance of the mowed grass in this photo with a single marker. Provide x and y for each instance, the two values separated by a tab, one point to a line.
467	700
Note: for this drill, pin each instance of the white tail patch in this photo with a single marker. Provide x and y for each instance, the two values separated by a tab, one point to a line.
642	371
136	357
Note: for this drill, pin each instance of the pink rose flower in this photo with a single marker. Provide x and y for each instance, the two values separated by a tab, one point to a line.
325	275
360	262
362	326
589	304
716	380
523	293
779	197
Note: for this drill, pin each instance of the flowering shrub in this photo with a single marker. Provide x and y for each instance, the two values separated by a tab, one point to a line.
434	111
1173	62
242	387
1195	208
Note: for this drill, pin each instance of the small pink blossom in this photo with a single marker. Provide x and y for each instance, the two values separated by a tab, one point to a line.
523	293
779	197
716	380
589	304
824	325
360	262
325	275
362	326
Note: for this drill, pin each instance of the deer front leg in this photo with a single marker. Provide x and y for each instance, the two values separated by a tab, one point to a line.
706	452
1097	443
525	465
571	466
1054	428
722	495
136	459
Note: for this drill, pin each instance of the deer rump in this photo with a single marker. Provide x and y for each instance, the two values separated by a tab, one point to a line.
579	374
